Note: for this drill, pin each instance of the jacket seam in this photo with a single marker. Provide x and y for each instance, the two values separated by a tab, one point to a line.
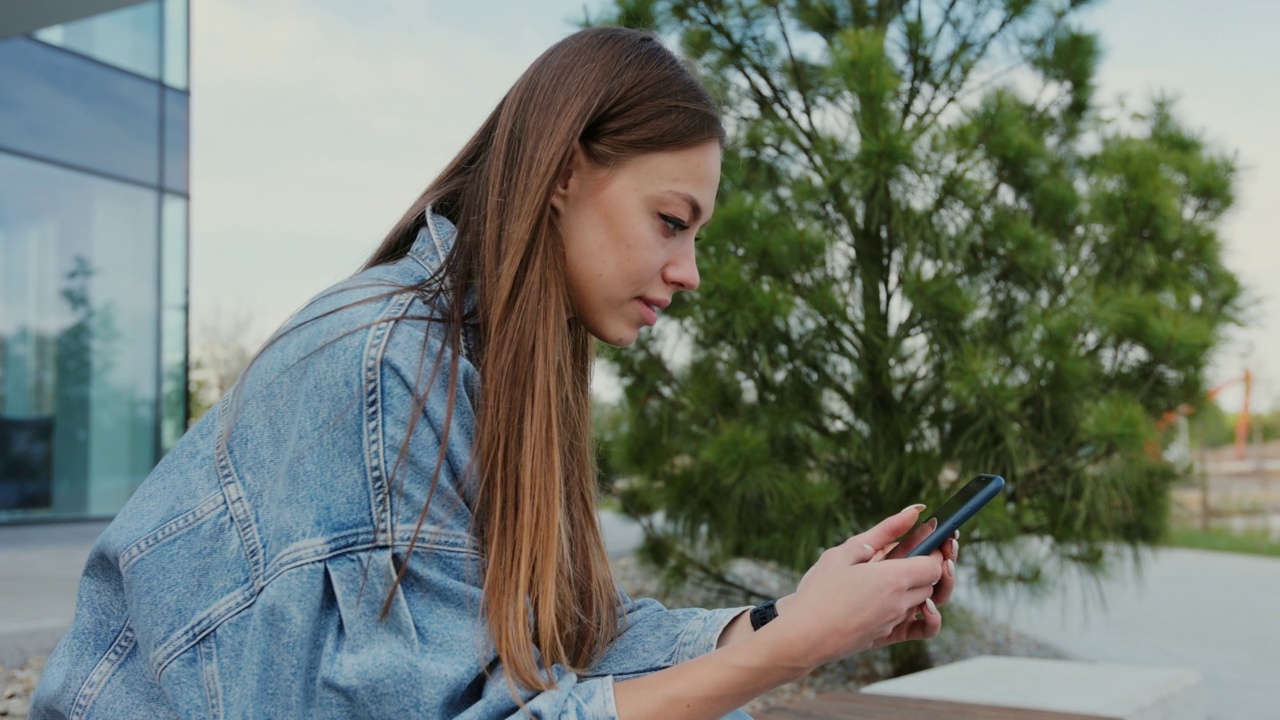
209	673
237	503
360	541
374	449
120	648
179	525
238	601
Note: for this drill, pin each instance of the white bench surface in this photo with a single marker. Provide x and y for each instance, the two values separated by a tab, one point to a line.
1130	692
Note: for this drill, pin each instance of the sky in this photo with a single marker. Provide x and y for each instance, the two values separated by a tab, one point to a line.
315	124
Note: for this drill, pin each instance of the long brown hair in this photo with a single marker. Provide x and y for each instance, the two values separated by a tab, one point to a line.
616	94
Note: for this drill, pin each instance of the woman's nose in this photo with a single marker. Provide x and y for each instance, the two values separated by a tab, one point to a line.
682	270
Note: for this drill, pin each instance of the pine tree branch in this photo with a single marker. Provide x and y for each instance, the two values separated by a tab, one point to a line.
796	76
916	57
956	85
768	103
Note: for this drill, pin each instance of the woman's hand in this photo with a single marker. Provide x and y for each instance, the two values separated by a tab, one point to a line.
924	624
858	596
854	598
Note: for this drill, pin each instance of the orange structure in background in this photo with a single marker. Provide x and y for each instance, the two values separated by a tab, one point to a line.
1242	421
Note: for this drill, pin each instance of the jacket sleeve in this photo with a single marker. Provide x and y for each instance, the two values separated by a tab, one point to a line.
653	638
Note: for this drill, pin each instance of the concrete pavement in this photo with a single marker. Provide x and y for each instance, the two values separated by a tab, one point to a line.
1215	613
40	569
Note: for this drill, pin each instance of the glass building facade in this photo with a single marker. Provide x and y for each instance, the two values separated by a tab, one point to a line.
93	256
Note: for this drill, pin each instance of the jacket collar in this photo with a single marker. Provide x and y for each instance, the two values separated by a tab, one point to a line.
435	239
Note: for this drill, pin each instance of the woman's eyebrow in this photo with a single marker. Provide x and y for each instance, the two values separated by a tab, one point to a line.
694	205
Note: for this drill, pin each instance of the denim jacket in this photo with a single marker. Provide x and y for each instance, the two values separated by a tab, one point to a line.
246	576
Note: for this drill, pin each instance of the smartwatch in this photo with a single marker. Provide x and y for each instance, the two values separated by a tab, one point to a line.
763	613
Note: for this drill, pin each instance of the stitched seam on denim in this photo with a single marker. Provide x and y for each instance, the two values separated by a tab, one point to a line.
209	673
236	602
204	624
237	503
300	554
375	455
432	538
106	667
187	521
339	552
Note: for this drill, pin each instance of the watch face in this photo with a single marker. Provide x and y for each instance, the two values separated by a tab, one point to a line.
763	613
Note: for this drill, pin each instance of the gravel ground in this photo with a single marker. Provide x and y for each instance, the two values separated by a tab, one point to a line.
18	684
963	636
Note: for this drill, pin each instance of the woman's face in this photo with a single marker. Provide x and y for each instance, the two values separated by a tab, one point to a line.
628	234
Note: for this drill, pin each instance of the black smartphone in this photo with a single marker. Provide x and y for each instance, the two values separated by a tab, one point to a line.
959	508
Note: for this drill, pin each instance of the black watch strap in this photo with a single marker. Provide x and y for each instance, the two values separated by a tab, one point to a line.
763	613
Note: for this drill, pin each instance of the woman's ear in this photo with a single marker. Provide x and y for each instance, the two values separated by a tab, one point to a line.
570	174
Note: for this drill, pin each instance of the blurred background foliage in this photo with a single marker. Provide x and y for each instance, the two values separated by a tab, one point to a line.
934	254
1213	427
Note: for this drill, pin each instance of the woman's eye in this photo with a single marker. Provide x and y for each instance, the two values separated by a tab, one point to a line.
674	224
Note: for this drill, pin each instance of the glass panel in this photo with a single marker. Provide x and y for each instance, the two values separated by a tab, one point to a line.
128	38
175	140
173	320
55	105
78	345
176	29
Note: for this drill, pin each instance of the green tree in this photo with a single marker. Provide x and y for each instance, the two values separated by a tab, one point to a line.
933	254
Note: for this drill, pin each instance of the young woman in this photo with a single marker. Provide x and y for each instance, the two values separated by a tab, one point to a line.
393	514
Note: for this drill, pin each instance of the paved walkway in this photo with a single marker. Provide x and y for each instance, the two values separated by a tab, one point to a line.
39	573
1215	613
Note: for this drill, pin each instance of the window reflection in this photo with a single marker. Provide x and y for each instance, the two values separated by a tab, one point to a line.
78	339
173	320
175	140
128	38
54	105
176	29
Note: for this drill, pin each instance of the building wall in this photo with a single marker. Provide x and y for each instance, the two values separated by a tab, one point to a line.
93	258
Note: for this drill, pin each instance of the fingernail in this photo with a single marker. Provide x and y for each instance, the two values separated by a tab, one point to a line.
951	568
918	507
955	547
869	548
928	603
956	535
933	523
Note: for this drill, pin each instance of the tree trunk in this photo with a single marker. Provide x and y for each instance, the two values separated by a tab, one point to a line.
909	657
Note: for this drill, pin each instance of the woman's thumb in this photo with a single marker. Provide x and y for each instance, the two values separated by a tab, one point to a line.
891	528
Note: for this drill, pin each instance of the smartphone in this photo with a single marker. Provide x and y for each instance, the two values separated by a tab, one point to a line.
959	508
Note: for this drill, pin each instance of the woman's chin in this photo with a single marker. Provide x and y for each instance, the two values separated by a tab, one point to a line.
618	342
617	337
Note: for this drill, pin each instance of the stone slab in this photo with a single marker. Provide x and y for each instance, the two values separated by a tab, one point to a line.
1131	692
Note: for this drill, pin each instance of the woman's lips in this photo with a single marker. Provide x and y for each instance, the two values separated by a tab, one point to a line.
649	312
